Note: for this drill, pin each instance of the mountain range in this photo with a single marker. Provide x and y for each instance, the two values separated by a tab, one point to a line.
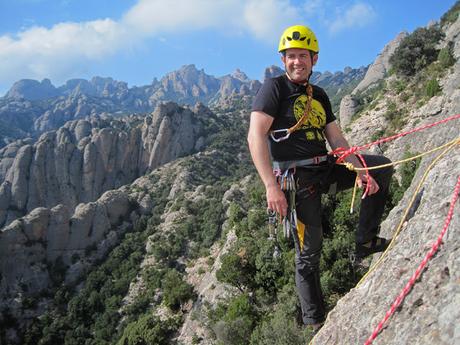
31	107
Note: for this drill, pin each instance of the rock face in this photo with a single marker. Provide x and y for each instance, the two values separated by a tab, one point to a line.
347	109
32	90
34	247
430	313
85	158
376	72
379	68
30	245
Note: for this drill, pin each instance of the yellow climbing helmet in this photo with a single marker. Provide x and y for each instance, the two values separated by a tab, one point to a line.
298	36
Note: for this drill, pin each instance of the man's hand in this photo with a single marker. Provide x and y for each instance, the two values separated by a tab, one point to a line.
363	181
276	200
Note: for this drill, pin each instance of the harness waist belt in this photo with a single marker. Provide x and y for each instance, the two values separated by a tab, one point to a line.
284	165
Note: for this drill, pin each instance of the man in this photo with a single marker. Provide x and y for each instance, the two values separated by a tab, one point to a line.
298	119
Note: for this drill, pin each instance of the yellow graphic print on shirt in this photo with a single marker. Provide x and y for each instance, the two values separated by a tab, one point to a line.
316	120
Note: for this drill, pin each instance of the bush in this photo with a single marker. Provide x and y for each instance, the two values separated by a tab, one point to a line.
236	321
451	15
280	329
445	57
176	291
416	51
432	88
149	329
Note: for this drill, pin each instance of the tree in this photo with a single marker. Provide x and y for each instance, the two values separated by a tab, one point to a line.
416	51
176	291
148	329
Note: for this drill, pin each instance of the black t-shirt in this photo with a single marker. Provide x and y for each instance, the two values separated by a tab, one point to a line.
285	102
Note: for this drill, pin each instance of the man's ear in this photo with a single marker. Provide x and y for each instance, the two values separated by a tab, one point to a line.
283	58
315	59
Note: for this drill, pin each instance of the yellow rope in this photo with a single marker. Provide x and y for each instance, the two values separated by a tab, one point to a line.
398	230
351	167
354	193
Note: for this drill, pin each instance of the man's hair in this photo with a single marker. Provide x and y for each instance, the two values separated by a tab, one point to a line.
312	53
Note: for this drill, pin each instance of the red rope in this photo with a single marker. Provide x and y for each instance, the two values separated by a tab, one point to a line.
419	269
343	153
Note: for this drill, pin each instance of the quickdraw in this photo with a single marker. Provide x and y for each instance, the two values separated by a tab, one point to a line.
288	186
273	233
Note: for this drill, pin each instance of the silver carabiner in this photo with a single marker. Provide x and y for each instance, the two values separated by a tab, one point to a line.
277	140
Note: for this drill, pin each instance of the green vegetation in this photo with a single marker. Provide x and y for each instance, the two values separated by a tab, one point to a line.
432	88
367	99
407	172
416	51
446	57
149	329
451	15
396	117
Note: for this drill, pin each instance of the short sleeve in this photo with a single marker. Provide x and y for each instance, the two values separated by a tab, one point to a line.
267	98
324	99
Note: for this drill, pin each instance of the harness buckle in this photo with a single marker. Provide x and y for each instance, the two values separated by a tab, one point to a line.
279	131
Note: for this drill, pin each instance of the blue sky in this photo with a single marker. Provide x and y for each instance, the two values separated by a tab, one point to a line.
138	40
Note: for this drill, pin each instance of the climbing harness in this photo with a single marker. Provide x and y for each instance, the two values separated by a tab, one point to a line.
280	166
279	135
284	172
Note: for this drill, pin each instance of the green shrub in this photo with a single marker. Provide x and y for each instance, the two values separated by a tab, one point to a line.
279	329
149	329
445	57
432	88
451	15
399	85
175	290
236	321
416	51
395	116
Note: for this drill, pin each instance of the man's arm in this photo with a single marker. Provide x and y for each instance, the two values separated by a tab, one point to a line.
336	139
258	146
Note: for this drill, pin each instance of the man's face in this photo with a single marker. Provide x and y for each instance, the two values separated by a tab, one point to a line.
298	64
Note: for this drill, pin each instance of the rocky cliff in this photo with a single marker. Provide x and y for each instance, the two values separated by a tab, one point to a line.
376	72
85	158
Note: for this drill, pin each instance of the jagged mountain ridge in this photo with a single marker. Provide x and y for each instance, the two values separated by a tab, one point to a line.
31	107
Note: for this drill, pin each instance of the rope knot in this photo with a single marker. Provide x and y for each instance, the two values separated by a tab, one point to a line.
349	166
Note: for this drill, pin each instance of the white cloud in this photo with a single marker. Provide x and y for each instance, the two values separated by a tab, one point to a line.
67	48
357	16
267	19
40	52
